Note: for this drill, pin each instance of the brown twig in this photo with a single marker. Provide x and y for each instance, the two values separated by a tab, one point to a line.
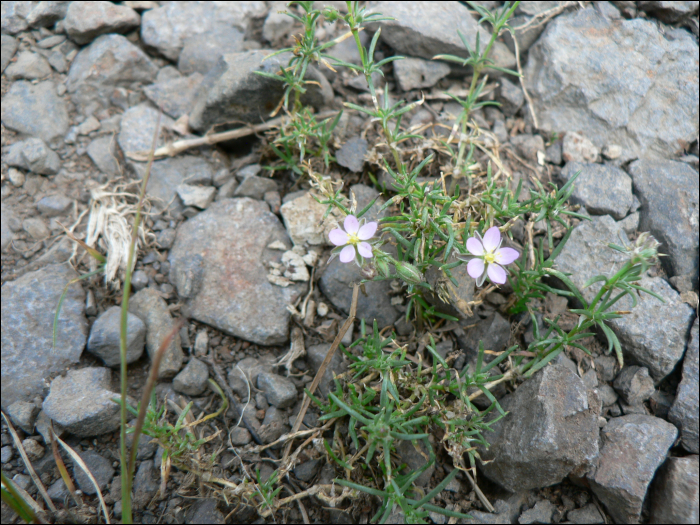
522	82
322	369
173	148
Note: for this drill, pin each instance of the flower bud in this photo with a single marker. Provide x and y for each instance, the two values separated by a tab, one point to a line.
382	267
408	272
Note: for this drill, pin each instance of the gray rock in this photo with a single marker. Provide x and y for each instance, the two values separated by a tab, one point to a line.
108	62
46	14
240	436
168	27
528	145
510	96
540	513
550	432
22	481
277	24
193	378
103	152
201	52
553	153
36	228
23	414
14	16
425	29
590	379
274	424
458	296
352	154
315	355
82	402
415	460
633	447
602	189
100	468
166	238
105	336
415	73
6	454
138	126
684	412
176	95
227	190
669	12
634	384
58	491
54	205
51	41
204	510
606	366
279	391
590	74
303	219
145	484
669	195
588	514
198	196
28	309
139	280
527	36
35	110
674	493
307	470
30	66
233	80
494	332
654	333
250	170
226	287
9	48
153	311
86	21
630	224
255	187
336	284
607	394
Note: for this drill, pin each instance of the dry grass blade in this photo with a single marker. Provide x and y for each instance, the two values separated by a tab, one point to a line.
73	454
322	369
62	468
39	485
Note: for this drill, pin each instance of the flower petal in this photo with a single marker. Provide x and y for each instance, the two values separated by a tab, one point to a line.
338	237
506	256
496	274
492	239
347	254
365	250
367	231
474	246
475	268
351	224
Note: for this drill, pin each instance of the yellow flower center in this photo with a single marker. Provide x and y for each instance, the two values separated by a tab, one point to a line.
490	258
353	239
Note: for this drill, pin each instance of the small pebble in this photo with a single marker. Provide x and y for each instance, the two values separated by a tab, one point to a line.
322	309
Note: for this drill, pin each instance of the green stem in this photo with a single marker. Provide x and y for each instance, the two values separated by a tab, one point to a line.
124	460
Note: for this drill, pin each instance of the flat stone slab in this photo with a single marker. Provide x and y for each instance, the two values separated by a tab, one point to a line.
219	265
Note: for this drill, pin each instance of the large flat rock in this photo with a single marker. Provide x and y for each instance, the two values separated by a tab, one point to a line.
219	265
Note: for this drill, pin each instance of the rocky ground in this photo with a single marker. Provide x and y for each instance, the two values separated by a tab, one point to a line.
611	91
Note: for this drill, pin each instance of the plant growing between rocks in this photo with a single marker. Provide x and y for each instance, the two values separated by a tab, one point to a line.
387	396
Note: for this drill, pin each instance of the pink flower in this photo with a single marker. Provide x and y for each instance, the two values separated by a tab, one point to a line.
489	256
353	237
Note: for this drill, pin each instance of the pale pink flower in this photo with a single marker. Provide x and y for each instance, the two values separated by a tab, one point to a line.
353	237
488	256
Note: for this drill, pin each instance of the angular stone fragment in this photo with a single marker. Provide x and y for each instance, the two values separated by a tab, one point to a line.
674	494
82	402
550	432
232	90
670	197
633	447
219	265
684	412
87	20
609	79
193	378
29	358
35	110
302	218
150	307
654	333
601	189
104	341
